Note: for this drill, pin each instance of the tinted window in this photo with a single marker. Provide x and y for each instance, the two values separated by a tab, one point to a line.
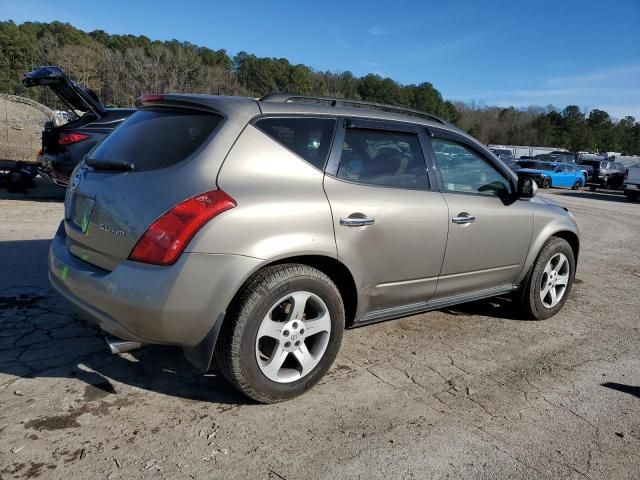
309	138
156	138
377	157
464	170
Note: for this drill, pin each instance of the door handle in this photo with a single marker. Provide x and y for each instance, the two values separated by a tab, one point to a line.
463	217
357	221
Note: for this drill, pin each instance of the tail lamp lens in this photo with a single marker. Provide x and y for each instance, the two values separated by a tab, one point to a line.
165	240
67	138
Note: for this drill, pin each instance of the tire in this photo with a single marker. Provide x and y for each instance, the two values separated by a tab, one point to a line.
631	197
238	351
530	296
577	185
546	183
592	188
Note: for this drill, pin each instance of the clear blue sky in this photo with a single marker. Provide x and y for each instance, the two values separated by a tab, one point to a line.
499	52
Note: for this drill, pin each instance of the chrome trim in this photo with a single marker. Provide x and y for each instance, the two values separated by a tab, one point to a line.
357	222
462	219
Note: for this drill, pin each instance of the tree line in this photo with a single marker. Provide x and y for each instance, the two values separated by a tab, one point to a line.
120	68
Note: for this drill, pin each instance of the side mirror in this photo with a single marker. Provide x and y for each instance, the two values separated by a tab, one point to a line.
527	188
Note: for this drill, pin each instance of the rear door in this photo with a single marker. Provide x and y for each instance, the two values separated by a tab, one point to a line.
563	178
489	231
390	225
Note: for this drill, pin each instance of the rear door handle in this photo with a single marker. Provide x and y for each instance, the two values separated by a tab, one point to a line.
357	221
463	218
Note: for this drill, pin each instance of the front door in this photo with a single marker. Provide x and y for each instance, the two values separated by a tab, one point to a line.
390	228
489	236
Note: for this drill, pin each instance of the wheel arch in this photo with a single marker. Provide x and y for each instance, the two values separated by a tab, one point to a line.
563	231
337	272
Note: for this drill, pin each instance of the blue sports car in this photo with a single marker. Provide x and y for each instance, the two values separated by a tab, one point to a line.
553	174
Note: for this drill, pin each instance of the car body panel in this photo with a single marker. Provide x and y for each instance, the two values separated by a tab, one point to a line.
281	207
71	93
175	305
477	256
549	219
410	228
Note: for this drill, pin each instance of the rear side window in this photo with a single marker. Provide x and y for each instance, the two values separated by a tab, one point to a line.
379	157
309	138
151	139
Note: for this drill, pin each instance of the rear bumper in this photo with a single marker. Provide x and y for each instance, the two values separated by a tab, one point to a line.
54	169
175	305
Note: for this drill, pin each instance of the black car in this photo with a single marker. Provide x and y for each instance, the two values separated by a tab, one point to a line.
605	173
63	146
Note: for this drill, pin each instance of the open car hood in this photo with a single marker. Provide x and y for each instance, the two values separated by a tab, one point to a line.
73	95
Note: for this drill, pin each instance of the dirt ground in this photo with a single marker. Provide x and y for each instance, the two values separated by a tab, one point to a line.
470	392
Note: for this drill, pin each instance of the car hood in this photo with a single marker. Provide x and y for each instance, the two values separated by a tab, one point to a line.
75	96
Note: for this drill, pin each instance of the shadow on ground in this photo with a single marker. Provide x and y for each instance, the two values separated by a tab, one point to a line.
42	336
502	307
611	196
41	191
621	387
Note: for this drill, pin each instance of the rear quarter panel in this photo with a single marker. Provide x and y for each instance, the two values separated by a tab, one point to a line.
281	210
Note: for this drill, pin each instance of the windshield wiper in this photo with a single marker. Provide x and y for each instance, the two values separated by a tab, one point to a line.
110	165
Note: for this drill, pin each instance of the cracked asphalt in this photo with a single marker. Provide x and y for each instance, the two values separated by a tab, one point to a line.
469	392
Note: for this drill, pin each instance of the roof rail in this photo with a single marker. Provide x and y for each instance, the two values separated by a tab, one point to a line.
346	102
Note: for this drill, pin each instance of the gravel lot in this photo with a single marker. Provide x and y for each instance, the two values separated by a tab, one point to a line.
470	392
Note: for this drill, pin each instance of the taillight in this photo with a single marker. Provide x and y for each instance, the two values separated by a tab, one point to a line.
67	138
165	240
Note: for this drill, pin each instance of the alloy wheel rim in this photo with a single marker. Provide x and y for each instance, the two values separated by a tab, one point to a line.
293	337
554	281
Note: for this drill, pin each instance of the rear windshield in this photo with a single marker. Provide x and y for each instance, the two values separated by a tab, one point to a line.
151	139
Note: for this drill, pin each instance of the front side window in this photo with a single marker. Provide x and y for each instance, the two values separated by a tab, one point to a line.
309	138
385	158
463	170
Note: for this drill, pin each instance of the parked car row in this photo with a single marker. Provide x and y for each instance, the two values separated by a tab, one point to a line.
556	168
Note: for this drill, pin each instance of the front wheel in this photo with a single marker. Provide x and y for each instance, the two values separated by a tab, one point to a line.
282	333
546	182
551	280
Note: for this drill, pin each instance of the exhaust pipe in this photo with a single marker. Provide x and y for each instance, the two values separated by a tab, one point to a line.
121	346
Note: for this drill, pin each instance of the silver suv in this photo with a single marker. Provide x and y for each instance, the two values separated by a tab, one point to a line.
257	230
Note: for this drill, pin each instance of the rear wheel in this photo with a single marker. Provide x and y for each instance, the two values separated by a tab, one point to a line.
551	280
546	182
282	333
577	185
